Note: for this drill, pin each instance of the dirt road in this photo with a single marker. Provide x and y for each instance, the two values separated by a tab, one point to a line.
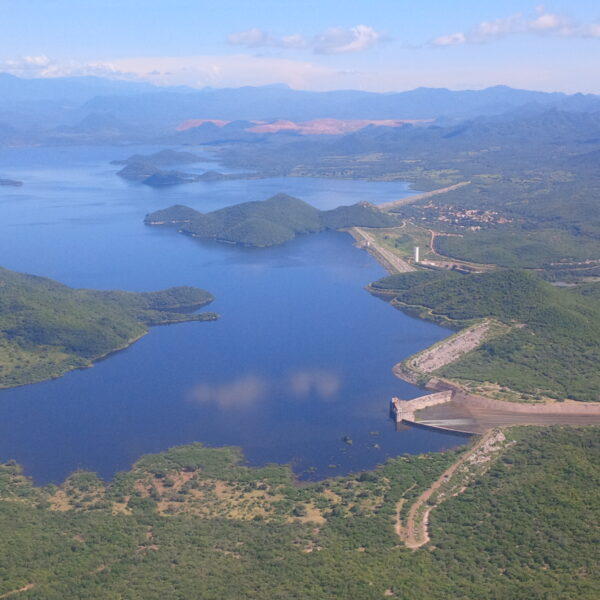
386	206
25	588
416	532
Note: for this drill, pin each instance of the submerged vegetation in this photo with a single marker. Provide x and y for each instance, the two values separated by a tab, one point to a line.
193	523
47	328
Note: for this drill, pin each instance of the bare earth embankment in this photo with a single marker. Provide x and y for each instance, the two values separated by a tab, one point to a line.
450	349
475	413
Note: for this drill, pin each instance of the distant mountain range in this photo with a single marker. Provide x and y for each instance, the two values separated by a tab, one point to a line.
97	110
268	103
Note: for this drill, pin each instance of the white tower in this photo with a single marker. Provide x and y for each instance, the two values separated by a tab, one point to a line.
416	254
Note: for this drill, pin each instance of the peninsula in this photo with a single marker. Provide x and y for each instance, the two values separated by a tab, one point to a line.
543	343
47	328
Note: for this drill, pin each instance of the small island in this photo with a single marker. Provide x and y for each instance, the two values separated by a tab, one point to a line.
47	328
164	158
10	183
148	169
269	222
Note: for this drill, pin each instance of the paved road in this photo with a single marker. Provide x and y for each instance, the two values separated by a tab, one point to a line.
392	262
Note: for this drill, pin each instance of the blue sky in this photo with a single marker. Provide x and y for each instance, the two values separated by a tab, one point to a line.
379	45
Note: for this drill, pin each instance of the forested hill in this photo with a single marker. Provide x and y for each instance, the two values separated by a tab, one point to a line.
536	169
47	328
552	348
193	522
269	222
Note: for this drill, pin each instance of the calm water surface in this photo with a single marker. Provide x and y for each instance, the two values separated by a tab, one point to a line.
300	358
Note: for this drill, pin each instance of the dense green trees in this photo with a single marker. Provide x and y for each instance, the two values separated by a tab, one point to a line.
525	529
47	328
553	347
270	222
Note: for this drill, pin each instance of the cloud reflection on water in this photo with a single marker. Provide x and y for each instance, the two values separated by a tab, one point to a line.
321	383
252	389
244	392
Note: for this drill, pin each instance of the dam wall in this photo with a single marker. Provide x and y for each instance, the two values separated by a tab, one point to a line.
404	410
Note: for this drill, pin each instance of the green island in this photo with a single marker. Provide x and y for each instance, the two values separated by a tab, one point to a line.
162	158
193	522
149	169
529	193
47	328
268	222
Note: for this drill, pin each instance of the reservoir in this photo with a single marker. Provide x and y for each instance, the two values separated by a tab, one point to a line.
300	358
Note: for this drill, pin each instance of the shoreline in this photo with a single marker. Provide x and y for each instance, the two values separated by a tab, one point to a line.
93	361
483	412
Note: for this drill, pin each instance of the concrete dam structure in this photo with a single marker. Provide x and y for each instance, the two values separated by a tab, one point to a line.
404	410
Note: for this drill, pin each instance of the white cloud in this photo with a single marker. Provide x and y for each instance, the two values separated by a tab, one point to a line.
36	61
258	38
541	22
252	38
243	69
42	66
592	31
498	27
227	71
293	41
336	40
454	39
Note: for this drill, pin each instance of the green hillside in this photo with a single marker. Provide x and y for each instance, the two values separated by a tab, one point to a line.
535	169
551	249
269	222
553	347
362	214
47	328
194	523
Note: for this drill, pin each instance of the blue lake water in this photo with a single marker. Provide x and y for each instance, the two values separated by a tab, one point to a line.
300	358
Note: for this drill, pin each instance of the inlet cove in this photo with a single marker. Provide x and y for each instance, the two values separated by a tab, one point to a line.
297	369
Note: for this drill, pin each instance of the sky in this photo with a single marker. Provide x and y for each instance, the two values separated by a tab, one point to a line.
376	45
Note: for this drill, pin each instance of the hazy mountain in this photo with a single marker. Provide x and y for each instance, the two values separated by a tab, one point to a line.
87	104
72	90
272	103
